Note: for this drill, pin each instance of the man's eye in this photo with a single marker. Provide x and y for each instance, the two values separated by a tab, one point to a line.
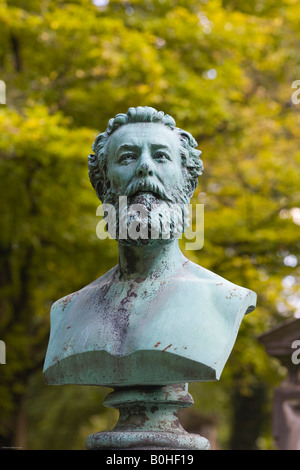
127	158
161	156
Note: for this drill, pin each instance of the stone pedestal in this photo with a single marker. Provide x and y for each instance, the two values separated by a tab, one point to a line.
279	342
148	420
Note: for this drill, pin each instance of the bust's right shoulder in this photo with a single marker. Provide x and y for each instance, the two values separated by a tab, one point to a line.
61	306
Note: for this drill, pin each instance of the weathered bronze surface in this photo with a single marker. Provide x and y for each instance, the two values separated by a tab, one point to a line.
148	420
156	318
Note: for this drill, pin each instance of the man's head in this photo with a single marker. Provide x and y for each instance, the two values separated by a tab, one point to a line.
143	156
191	164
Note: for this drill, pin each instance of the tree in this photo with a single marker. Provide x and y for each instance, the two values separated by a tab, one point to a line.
224	71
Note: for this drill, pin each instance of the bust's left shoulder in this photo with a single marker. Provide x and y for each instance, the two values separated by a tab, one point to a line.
222	289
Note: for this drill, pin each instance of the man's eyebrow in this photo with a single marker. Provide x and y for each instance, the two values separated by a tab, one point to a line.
133	146
126	147
160	146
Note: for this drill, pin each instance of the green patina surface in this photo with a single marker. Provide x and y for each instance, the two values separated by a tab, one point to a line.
148	420
156	318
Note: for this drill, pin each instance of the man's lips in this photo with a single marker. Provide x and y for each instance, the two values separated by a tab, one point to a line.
144	187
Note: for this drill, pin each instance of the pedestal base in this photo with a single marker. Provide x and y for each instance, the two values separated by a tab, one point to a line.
148	420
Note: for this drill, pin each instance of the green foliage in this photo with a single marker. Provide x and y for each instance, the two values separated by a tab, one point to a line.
224	71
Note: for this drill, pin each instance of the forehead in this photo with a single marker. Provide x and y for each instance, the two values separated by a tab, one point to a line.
141	134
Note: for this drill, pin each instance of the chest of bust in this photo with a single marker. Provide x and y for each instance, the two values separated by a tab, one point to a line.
193	319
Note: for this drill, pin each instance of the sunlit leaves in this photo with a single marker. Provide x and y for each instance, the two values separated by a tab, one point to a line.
224	70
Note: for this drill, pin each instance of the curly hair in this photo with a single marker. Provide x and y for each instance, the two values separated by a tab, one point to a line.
97	162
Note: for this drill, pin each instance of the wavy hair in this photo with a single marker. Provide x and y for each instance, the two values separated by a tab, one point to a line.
97	162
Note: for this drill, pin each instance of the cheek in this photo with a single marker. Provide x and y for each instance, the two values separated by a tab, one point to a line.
176	175
117	177
113	177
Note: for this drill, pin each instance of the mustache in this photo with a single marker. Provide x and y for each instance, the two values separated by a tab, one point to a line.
147	186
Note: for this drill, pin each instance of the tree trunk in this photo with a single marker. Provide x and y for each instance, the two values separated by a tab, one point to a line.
20	433
248	417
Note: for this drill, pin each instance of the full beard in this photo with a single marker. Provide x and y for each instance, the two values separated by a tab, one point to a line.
146	219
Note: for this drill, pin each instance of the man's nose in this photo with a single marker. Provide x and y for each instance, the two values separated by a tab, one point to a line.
144	167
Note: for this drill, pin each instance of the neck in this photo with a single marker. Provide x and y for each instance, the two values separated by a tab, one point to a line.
141	262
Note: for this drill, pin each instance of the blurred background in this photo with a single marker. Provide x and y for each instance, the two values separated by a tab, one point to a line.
224	70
